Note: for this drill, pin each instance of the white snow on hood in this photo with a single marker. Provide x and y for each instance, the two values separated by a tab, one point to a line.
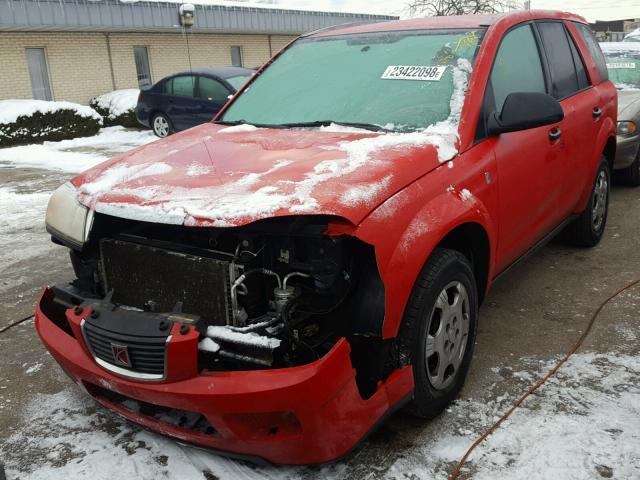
220	205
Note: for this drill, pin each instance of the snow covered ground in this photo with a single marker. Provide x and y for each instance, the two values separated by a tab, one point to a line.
74	156
584	424
29	175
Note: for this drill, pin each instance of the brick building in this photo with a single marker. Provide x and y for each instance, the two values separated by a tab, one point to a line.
76	49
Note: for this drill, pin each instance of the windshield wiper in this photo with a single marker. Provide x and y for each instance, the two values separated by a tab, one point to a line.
326	123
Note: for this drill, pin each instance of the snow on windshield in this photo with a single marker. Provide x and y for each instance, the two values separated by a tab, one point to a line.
248	198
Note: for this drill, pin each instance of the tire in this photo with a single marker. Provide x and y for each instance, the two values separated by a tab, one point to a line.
588	228
161	125
426	332
631	175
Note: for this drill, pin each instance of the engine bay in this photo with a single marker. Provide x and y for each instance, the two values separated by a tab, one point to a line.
272	294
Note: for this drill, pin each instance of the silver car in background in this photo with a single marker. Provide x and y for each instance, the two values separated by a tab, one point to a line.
623	63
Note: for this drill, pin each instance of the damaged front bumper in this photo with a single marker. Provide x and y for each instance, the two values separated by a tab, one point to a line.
305	414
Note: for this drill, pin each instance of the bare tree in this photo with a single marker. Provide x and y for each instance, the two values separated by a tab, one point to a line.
459	7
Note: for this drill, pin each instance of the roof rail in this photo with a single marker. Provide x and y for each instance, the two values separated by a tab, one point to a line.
336	27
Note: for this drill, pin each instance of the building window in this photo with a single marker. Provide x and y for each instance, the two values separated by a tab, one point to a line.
141	55
236	56
39	73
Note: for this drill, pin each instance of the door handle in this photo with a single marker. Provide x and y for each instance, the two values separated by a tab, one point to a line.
554	134
596	112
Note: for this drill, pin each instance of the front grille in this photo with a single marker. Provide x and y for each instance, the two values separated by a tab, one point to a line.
145	354
157	279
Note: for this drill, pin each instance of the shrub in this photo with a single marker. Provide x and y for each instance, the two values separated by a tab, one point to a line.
33	121
117	107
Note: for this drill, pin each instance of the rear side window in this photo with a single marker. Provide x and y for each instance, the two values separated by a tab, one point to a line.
517	67
183	86
583	81
594	49
564	79
213	90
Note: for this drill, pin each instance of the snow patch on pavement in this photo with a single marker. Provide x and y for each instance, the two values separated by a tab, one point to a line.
582	424
76	155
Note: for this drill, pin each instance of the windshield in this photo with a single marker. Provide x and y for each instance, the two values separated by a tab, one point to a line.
237	82
399	81
623	63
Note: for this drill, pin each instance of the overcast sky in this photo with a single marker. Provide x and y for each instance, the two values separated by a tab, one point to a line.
590	9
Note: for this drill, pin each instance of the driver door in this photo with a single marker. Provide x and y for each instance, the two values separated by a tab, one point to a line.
528	190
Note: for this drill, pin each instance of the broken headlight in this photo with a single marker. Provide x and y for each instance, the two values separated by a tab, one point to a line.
67	219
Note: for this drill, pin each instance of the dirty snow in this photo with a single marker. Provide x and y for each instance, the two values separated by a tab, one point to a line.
78	154
249	338
118	102
582	424
208	345
10	110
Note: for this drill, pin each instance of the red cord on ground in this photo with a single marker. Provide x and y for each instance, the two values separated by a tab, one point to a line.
540	382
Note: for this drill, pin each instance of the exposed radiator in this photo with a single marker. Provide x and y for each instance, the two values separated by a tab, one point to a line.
155	279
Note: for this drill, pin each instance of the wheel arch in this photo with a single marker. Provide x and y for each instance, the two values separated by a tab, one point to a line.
471	239
609	152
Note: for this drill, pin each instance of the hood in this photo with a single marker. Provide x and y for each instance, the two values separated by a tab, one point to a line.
221	176
628	104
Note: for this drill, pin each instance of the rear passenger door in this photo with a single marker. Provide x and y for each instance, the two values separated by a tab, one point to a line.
581	104
527	160
212	95
182	104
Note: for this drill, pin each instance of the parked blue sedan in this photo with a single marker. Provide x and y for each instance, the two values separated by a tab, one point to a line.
187	99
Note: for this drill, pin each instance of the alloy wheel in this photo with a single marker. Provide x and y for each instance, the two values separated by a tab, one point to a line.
160	126
599	202
447	335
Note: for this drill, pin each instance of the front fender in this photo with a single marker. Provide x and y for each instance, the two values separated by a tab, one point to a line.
408	226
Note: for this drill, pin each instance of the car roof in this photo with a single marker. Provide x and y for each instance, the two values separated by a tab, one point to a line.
447	22
220	72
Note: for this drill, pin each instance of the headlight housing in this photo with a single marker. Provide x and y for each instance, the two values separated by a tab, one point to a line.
626	128
67	219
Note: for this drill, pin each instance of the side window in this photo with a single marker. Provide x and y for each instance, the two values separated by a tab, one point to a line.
564	78
167	87
184	86
594	49
210	89
517	67
581	71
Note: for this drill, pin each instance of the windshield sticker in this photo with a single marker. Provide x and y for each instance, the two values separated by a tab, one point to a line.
631	66
414	72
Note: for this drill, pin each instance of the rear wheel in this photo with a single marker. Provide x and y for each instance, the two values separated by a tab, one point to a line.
161	125
631	175
439	330
588	228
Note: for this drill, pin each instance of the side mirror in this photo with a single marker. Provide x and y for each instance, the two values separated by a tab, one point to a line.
524	110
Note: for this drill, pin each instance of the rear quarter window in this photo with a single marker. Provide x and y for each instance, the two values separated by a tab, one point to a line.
594	49
561	61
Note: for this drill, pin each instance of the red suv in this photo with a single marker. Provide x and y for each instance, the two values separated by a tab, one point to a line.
274	283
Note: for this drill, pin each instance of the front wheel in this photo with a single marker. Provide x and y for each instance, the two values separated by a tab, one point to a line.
439	329
161	125
588	228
